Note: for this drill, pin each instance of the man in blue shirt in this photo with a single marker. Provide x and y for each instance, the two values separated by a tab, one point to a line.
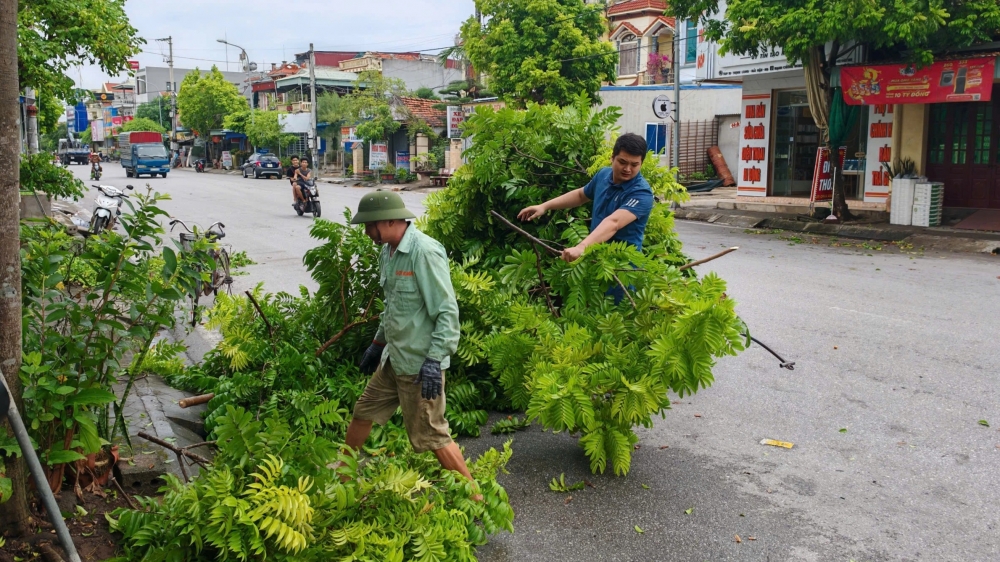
622	199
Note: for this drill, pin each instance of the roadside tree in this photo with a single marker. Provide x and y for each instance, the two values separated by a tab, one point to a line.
821	34
542	51
204	101
261	128
155	110
141	124
369	106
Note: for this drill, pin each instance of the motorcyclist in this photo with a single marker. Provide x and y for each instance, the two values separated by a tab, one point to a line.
290	174
302	175
95	165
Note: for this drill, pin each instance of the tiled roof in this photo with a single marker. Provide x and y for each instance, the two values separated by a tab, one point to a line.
636	5
669	22
635	31
424	109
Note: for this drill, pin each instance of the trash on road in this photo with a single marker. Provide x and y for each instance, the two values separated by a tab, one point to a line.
774	443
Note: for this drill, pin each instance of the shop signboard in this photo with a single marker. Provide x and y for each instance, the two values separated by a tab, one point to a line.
227	159
755	142
97	131
822	182
469	108
879	151
379	156
455	119
403	159
348	135
133	64
958	80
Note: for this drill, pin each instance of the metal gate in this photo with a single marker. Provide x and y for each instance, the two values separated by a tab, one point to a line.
696	138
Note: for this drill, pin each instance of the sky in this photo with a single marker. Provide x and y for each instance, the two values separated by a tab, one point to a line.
275	31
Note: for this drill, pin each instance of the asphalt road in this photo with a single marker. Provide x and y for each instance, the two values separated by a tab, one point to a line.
258	216
897	359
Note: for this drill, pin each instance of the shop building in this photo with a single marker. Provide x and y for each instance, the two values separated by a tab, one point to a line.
941	117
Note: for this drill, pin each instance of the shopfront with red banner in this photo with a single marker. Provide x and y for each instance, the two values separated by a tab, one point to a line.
949	123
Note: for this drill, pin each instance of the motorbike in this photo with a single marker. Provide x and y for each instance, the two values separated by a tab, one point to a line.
311	195
95	172
108	208
199	165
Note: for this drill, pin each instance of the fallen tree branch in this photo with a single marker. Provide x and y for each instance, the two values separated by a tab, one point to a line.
580	170
541	279
178	451
709	258
341	333
270	330
627	294
524	233
195	400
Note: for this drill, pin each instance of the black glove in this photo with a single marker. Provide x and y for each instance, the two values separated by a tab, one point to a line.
430	379
372	357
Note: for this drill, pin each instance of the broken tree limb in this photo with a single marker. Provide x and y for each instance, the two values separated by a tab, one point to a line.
627	294
709	258
270	330
195	400
524	233
341	333
177	451
541	279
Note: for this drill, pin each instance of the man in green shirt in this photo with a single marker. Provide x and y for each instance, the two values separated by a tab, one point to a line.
417	334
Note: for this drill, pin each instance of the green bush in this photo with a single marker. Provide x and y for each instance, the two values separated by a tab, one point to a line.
40	175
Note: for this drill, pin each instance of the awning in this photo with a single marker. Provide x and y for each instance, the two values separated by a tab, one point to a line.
957	80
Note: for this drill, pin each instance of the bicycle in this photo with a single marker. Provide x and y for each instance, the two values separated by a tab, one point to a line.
220	275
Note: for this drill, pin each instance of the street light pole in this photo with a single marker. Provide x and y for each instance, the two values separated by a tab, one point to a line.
248	66
173	93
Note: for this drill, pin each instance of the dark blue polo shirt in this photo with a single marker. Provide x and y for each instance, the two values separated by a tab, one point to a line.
634	196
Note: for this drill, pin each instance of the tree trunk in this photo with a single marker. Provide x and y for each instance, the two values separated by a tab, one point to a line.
13	514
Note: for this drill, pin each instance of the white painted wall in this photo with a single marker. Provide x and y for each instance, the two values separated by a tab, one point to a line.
698	103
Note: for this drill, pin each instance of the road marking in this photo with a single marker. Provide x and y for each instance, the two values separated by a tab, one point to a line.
868	314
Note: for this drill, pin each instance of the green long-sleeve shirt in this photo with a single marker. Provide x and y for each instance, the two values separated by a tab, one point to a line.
421	314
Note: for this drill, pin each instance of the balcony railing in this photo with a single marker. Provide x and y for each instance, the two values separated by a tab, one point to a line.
664	77
294	107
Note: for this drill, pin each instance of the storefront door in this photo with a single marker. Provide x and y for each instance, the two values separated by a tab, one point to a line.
964	152
796	138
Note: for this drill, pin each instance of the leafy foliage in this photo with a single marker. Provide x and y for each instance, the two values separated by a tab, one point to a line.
55	35
369	107
909	27
559	485
142	124
261	128
89	303
270	495
541	51
39	174
157	110
548	332
204	101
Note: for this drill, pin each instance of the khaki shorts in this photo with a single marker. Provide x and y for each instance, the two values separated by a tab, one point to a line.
424	419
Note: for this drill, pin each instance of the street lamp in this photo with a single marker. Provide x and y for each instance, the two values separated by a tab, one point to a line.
247	66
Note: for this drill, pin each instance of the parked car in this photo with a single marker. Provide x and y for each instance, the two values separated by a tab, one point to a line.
262	165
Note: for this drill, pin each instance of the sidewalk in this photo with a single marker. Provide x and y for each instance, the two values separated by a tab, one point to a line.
721	206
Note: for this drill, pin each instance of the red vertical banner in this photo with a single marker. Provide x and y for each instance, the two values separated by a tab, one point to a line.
822	186
755	139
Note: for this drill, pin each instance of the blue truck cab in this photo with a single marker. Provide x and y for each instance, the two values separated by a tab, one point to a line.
142	152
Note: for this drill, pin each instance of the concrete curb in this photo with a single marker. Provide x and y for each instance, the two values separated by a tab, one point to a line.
979	242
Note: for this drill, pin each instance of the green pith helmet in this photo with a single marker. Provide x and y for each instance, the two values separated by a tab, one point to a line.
381	206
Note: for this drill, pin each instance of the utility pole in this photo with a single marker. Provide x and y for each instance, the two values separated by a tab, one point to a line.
314	141
173	93
676	64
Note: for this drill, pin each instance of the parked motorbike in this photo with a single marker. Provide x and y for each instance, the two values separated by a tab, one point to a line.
199	165
107	208
311	203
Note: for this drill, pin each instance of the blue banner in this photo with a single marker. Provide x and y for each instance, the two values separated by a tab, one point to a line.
80	122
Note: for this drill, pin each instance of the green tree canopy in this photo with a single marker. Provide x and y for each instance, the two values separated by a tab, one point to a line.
543	51
141	124
369	106
204	101
157	110
54	35
262	128
425	94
